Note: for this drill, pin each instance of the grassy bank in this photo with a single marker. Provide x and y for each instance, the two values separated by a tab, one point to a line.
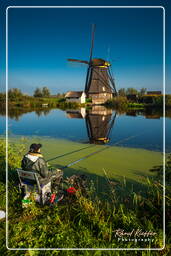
120	102
84	222
142	102
29	102
16	99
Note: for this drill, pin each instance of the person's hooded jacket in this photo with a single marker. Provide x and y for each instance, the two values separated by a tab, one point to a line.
35	162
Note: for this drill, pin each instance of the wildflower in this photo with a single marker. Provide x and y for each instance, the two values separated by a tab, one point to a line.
71	190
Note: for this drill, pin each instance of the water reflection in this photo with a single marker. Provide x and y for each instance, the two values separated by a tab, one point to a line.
99	122
148	113
152	113
17	113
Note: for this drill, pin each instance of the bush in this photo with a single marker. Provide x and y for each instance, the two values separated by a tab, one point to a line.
118	102
168	100
14	94
59	100
158	101
88	100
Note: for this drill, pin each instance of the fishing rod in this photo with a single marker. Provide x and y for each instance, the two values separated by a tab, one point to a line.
98	151
72	152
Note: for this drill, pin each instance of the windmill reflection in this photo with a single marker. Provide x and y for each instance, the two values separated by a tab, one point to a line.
99	123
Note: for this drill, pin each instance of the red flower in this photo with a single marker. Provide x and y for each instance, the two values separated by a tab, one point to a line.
52	198
71	190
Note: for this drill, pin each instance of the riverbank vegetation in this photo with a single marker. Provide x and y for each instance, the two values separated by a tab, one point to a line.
19	105
140	102
85	221
16	99
126	99
17	112
132	98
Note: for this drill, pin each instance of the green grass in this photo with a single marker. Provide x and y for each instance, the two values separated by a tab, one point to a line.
31	103
135	105
87	222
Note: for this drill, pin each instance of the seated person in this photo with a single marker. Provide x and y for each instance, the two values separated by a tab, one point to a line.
34	161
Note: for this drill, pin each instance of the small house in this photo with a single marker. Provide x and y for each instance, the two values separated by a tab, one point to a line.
76	96
154	93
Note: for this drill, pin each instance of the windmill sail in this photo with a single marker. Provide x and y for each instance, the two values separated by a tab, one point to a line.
92	43
80	61
90	59
99	84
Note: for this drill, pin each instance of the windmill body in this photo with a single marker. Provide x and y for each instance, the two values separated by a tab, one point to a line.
99	122
99	85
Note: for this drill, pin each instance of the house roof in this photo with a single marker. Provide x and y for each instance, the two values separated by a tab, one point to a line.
73	94
154	92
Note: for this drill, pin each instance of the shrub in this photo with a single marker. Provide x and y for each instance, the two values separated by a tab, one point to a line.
158	101
88	100
117	102
168	100
14	94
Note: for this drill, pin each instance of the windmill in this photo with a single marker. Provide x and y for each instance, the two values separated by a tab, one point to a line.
99	85
99	123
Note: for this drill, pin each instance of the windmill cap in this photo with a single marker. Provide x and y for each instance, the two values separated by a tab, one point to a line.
100	62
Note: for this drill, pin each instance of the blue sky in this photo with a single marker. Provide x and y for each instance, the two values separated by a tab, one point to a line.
41	40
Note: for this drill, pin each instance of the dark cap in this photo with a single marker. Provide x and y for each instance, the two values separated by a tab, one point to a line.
35	147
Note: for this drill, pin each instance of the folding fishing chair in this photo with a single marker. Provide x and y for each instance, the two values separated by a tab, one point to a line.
29	183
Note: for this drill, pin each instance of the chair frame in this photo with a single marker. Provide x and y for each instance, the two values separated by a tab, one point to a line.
32	176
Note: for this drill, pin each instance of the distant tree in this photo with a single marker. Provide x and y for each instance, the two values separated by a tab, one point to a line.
60	95
122	92
142	91
2	96
45	92
14	93
131	91
37	92
168	100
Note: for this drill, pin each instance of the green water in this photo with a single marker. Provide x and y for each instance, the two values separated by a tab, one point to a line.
119	163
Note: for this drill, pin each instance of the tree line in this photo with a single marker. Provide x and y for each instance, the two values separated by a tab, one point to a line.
42	92
45	92
124	92
16	93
